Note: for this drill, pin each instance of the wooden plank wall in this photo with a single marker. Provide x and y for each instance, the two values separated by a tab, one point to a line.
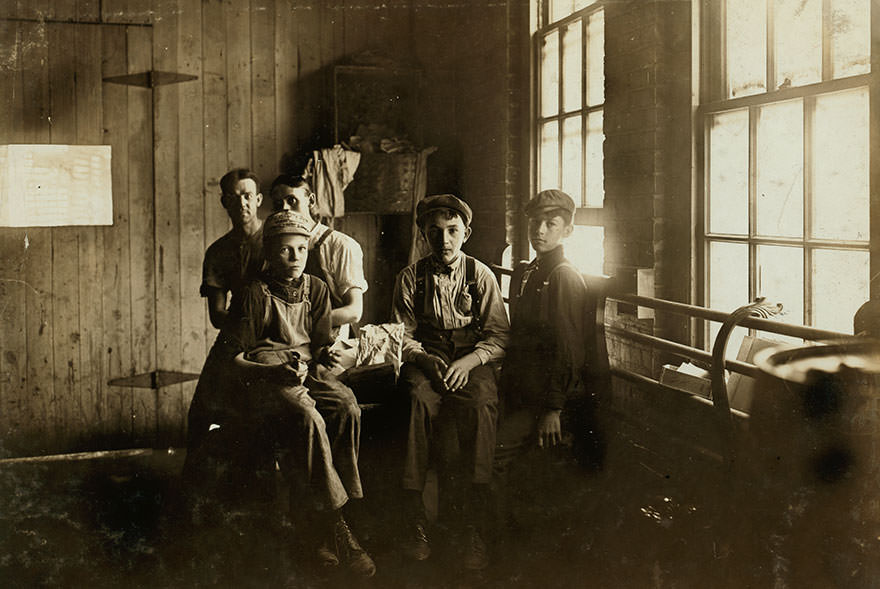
80	306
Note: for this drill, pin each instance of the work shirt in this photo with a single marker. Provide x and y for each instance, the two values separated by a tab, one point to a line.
451	307
546	352
341	260
232	261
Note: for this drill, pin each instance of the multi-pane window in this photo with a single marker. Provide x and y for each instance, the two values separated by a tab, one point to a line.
786	152
570	98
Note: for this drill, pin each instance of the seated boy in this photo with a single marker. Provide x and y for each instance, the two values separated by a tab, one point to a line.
455	326
278	332
542	373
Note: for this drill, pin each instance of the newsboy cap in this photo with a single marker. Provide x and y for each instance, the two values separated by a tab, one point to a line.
443	201
547	200
286	222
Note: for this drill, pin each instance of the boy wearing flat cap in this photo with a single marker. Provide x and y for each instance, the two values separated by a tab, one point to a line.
542	372
455	328
277	335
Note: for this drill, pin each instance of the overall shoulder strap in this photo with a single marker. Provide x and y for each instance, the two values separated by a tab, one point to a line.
323	238
307	291
470	282
420	295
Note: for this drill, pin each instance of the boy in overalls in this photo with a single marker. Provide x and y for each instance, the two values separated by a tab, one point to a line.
278	332
334	257
455	327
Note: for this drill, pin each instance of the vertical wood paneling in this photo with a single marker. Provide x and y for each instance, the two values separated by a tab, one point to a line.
141	232
65	242
262	38
238	84
286	74
116	277
110	302
91	244
16	410
167	236
191	164
214	63
38	258
308	82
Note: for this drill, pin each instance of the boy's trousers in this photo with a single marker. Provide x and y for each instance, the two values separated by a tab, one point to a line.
457	429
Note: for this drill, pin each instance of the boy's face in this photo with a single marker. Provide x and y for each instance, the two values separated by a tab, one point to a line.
298	200
445	236
547	230
241	205
286	255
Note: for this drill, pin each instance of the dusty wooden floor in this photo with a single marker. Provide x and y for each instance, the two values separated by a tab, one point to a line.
117	522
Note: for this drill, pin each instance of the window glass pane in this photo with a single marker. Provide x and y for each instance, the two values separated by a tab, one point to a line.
595	196
596	58
746	47
549	163
572	157
840	166
780	278
798	39
850	37
840	287
550	74
578	4
728	285
572	68
780	170
585	248
560	9
728	172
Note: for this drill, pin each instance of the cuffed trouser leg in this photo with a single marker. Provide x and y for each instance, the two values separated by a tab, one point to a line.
339	407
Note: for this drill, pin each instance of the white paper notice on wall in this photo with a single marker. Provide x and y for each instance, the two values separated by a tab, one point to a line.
55	185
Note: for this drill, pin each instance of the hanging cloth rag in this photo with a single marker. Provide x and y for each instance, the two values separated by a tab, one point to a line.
330	171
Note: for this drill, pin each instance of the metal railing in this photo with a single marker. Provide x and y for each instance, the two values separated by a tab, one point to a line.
690	352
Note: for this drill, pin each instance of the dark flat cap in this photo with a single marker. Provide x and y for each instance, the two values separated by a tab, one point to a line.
443	201
549	200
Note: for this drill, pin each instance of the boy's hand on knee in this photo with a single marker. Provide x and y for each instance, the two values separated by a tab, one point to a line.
434	368
456	375
549	429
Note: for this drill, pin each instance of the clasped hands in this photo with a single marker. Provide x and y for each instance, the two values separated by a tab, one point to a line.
447	377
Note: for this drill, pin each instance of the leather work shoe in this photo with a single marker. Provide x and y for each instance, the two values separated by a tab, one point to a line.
351	553
476	557
416	546
327	555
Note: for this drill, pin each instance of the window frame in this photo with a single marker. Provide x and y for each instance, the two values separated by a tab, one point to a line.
710	98
584	215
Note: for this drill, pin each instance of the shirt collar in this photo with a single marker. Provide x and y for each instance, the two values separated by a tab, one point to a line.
438	267
551	259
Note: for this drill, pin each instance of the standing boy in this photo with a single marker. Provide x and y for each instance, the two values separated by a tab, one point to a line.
229	263
542	372
455	327
334	257
278	332
238	255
